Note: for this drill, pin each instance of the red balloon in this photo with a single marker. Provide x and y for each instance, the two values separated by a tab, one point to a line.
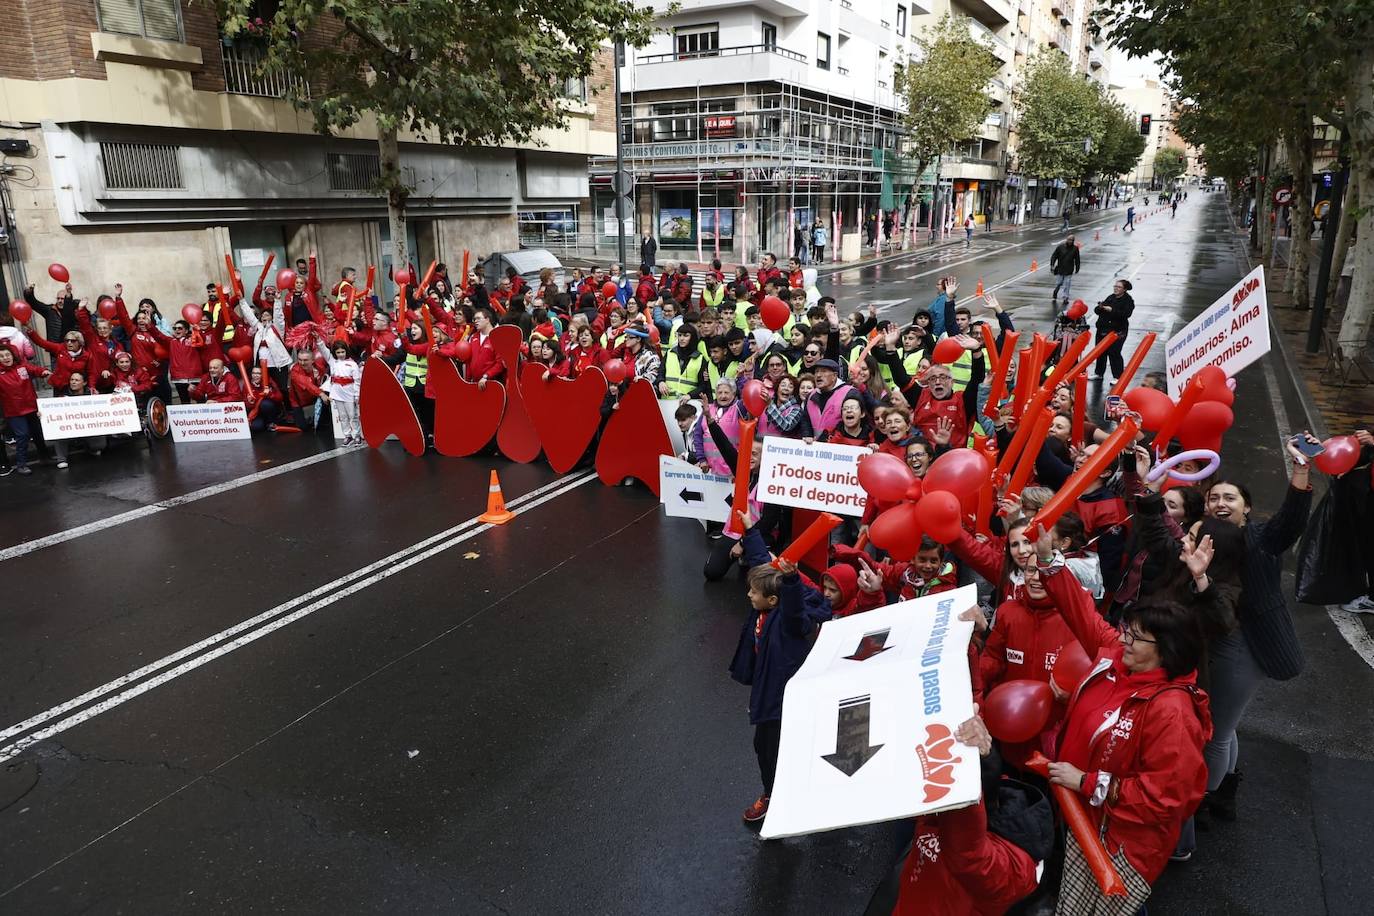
1017	711
192	313
914	491
897	531
1154	407
616	371
160	352
755	397
1213	382
463	350
1205	424
240	354
774	313
21	311
403	277
1077	310
609	289
1071	666
938	515
960	471
59	273
1339	455
947	351
286	279
884	477
106	308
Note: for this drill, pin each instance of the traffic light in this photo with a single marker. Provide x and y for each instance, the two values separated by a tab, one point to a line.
1145	124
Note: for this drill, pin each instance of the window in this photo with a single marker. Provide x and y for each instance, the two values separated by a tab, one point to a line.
141	166
822	51
697	40
770	36
353	171
901	20
575	88
144	18
675	121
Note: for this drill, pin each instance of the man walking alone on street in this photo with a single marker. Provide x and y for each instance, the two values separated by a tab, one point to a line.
1064	263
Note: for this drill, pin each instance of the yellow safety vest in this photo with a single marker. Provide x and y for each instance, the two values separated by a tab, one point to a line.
228	333
911	362
682	380
961	370
713	301
716	376
417	370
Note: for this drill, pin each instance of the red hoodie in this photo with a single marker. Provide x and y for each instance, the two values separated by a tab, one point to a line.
847	581
956	867
17	397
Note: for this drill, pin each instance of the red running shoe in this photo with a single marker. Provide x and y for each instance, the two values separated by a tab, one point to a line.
755	812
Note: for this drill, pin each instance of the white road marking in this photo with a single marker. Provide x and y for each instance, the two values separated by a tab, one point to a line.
235	637
71	534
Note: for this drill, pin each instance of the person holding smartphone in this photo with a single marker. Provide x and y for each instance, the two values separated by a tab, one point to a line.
1114	315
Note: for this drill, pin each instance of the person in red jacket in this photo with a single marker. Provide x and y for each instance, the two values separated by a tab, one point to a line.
218	385
69	356
131	377
1132	739
19	406
307	375
264	400
768	270
840	585
183	355
485	364
647	290
981	859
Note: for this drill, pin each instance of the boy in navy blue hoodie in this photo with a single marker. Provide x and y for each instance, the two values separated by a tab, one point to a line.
786	613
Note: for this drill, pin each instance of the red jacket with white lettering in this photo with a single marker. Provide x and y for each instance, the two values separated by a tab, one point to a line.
226	390
1137	737
17	398
956	868
65	362
484	363
305	384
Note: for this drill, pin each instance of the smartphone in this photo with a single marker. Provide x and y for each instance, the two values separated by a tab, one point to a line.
1310	449
1115	407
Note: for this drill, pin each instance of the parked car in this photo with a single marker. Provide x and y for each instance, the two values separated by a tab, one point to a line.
527	262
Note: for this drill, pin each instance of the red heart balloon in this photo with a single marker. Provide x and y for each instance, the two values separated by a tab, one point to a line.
633	439
192	313
1339	455
465	416
385	410
884	477
1077	310
402	277
517	438
774	313
947	351
897	531
239	354
462	350
1153	406
565	413
1018	710
961	471
938	515
1205	425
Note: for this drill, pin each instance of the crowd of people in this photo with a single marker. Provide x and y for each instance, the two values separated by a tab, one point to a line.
1171	590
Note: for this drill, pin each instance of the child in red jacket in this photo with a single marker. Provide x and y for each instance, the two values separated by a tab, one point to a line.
19	405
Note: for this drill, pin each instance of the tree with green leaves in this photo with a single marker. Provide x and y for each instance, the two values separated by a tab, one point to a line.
1169	164
945	90
475	73
1063	120
1121	146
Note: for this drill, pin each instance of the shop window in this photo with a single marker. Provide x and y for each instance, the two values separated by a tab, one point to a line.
675	222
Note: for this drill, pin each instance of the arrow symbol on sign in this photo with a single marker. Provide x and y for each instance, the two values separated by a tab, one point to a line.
852	749
872	644
691	496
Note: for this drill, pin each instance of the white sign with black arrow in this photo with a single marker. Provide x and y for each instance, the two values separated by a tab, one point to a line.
868	721
686	491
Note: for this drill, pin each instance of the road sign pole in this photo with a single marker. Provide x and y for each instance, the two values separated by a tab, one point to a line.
1333	222
619	167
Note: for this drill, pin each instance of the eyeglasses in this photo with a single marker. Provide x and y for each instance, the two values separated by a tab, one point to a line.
1128	637
813	352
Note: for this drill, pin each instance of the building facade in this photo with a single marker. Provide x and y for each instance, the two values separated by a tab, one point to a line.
139	146
1150	97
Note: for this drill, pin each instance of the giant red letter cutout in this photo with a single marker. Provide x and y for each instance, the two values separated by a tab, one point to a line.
516	437
465	417
634	438
385	410
565	413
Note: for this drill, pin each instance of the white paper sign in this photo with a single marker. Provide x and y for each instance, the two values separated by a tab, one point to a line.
817	476
88	415
252	257
209	422
686	491
669	408
868	722
1231	333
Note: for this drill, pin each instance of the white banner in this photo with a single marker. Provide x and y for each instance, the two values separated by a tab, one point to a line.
88	415
209	422
816	476
868	722
669	408
1231	333
686	491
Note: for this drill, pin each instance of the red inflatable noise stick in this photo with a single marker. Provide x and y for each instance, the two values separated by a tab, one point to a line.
809	538
1076	817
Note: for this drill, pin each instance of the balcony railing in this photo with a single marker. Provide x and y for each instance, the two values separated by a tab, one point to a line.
243	75
733	51
842	71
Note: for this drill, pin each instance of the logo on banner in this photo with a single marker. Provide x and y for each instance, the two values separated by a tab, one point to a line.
937	761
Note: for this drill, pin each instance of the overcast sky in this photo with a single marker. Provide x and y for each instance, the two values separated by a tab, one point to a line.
1132	70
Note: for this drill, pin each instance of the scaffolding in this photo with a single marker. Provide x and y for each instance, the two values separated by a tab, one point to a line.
773	152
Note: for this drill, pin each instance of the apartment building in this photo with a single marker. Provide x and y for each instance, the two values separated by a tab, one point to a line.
139	146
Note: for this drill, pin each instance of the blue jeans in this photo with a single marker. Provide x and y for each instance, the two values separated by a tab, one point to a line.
1065	281
1235	676
25	427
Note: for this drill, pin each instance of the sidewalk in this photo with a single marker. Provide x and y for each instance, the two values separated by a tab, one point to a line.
1337	410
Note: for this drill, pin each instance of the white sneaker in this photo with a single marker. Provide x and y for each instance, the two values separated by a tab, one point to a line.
61	465
1361	605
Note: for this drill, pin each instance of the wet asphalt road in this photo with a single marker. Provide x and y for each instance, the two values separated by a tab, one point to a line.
535	718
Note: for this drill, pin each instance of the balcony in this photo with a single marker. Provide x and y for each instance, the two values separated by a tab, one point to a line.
736	64
243	75
1059	40
989	12
994	42
785	9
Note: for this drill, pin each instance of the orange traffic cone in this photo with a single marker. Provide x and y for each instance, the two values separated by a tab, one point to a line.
979	291
1034	265
497	513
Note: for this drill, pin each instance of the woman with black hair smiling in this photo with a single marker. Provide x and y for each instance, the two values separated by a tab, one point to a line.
1114	316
